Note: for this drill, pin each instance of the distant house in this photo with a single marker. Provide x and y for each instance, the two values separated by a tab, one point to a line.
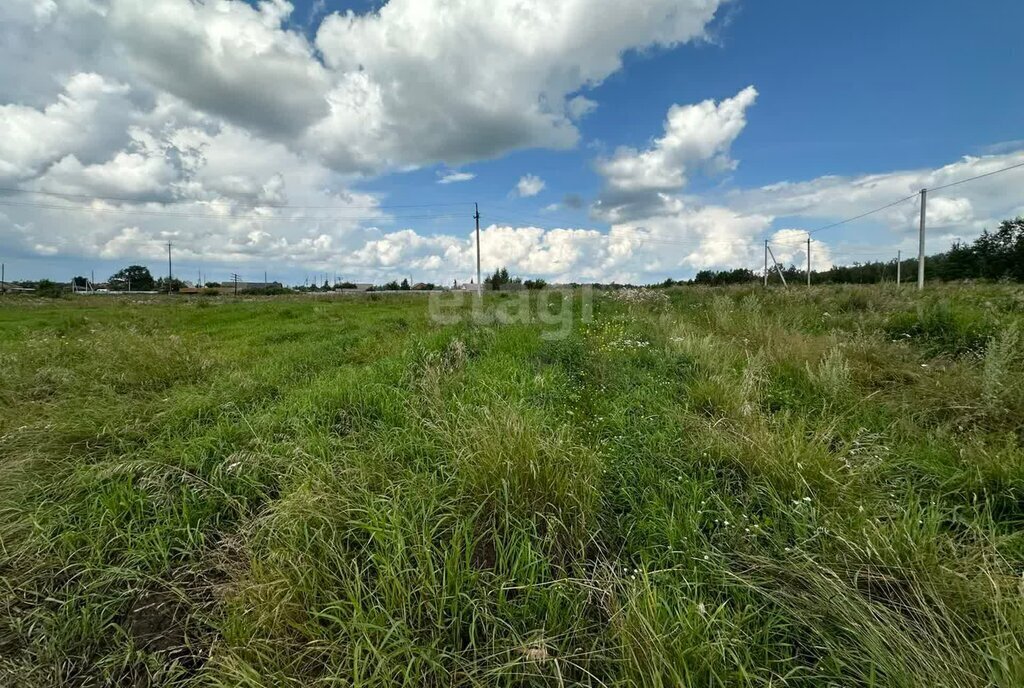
359	286
8	287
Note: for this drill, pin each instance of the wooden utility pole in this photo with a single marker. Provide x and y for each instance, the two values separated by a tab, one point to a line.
899	266
170	274
479	284
920	248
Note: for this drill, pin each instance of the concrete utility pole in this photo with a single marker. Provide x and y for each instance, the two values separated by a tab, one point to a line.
169	272
899	266
808	260
479	283
777	268
920	248
765	262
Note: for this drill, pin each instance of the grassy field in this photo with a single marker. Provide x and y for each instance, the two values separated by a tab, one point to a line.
698	487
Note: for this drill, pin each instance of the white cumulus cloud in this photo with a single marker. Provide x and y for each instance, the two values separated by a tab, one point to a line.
529	185
696	136
452	177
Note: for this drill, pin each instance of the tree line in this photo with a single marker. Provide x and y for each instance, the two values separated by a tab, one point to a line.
997	255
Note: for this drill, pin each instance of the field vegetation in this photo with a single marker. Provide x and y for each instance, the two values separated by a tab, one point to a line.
706	487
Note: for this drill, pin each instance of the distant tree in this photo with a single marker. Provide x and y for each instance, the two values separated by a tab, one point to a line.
1001	253
327	286
405	285
499	279
273	290
347	285
49	289
161	285
212	285
137	276
391	286
80	282
535	284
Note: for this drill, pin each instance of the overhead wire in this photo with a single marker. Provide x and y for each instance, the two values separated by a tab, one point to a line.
980	176
249	203
233	216
383	216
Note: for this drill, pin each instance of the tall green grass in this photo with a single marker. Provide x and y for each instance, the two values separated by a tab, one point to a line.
721	487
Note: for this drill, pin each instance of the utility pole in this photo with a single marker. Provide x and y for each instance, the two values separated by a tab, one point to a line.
3	278
899	266
777	268
479	284
808	260
169	272
766	263
920	248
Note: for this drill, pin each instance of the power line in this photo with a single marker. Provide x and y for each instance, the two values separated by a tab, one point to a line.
916	194
216	216
252	204
863	215
980	176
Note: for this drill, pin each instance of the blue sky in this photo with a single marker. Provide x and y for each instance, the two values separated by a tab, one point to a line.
857	104
845	89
